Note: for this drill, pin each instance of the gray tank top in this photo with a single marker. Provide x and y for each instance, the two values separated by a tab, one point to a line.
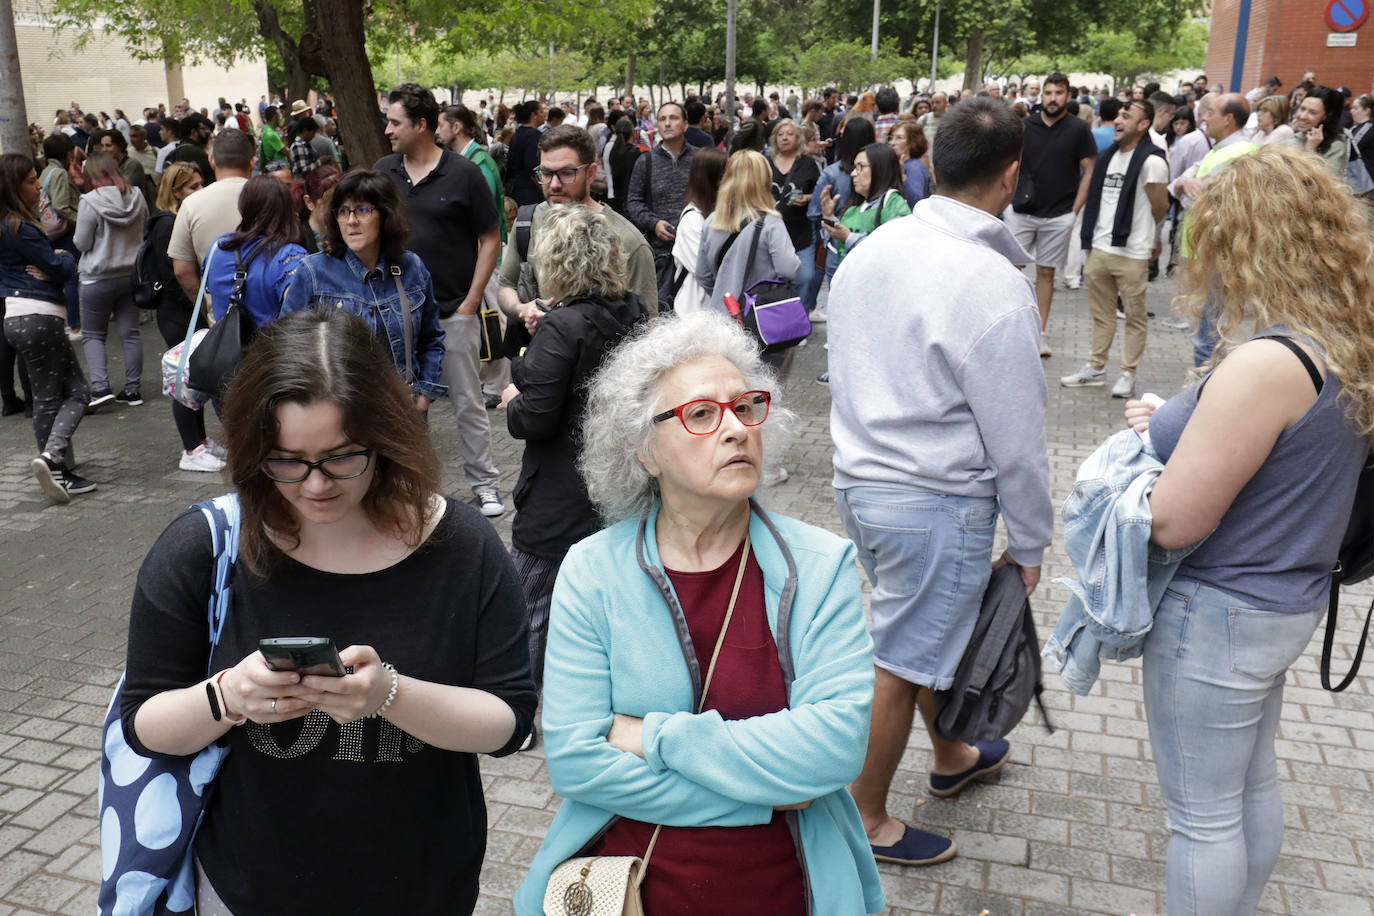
1275	547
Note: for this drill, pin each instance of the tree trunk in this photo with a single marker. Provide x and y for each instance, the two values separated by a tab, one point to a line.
14	130
340	29
300	62
630	75
973	61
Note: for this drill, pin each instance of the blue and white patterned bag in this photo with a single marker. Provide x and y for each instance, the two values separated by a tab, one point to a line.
150	807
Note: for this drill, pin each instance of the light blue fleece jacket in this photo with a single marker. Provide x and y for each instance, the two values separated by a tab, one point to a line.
935	377
616	645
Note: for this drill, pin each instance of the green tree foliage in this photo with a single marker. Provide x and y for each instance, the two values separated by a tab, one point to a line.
1129	56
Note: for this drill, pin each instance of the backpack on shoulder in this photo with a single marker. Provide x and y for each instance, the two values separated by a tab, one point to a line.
149	281
999	675
1355	563
771	310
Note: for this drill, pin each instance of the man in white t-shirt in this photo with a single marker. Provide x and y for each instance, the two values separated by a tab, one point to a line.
1126	198
212	211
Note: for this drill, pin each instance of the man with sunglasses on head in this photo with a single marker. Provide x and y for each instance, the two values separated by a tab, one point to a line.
457	234
567	167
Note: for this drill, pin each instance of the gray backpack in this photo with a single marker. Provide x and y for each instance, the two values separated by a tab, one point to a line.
999	674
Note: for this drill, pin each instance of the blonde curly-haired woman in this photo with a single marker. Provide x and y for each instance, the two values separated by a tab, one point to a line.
1261	464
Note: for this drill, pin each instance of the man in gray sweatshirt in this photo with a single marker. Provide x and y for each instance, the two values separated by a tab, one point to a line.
938	410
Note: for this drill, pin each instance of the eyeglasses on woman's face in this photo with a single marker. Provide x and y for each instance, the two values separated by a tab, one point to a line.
361	211
337	467
703	416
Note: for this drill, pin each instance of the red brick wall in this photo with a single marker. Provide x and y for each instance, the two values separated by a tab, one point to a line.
1286	38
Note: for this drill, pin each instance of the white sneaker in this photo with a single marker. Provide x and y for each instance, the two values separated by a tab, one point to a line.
1178	322
817	316
217	450
1125	386
489	502
1073	283
1087	377
200	459
774	475
1045	346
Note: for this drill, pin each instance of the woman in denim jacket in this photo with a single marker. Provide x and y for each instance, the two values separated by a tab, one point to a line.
363	262
31	278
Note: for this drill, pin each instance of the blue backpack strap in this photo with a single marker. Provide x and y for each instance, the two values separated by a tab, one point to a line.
222	514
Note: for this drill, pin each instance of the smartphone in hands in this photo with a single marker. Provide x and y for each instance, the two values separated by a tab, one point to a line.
302	654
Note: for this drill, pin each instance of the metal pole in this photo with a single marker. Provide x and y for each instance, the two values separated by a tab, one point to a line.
730	62
14	126
877	6
935	51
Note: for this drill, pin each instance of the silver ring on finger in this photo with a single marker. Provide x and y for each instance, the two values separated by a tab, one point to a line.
274	707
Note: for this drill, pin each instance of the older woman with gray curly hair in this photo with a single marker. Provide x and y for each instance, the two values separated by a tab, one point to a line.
709	672
582	273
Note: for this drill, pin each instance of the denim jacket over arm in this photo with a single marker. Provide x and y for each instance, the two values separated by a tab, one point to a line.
1121	573
324	281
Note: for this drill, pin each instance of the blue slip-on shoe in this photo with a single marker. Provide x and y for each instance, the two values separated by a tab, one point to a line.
991	756
916	847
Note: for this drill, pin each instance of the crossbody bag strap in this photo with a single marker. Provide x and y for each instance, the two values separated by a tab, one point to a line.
407	332
706	684
753	253
195	319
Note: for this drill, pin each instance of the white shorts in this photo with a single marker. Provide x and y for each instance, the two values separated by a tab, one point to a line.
1046	238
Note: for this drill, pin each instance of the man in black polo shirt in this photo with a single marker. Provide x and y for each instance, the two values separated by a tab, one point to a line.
1057	161
455	231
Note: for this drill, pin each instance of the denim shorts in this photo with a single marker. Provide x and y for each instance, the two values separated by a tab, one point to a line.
928	557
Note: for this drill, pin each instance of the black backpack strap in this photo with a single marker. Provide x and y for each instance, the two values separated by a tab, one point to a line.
1329	642
1303	358
1317	381
720	255
524	222
240	280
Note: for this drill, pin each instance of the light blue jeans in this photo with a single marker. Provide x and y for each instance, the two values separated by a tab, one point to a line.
1214	671
929	557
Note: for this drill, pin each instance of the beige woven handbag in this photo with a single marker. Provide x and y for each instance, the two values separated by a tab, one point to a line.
609	885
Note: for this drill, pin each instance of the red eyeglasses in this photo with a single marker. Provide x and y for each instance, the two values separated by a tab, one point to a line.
702	417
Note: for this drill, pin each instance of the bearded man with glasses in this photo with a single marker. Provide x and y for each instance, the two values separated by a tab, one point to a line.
567	167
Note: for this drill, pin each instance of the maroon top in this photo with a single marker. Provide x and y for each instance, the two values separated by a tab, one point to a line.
724	871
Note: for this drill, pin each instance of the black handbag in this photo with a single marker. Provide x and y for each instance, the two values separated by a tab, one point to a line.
214	362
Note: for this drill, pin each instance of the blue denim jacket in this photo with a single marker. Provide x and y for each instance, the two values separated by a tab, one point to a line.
30	246
324	280
1121	573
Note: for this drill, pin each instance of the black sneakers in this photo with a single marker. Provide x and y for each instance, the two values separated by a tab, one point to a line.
57	482
99	399
129	397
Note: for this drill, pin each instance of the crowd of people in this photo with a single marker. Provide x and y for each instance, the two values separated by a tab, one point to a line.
578	275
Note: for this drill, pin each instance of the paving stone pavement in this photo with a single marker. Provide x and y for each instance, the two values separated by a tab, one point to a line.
1074	825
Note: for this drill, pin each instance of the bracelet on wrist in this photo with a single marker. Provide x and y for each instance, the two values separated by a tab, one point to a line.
234	719
390	694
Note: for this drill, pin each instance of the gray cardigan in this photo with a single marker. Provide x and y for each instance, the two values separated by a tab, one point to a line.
776	259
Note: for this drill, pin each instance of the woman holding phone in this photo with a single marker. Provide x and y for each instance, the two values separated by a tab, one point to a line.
330	782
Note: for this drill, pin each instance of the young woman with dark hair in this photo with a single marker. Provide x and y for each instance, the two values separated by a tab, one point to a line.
364	268
109	231
343	534
266	243
703	183
854	134
32	275
1318	127
875	197
523	156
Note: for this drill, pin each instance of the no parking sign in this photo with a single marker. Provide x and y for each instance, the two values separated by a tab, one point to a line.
1346	15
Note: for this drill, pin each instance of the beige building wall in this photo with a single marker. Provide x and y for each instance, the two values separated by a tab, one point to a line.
104	75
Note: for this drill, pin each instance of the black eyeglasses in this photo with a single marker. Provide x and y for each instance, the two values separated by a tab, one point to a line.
565	176
702	417
362	211
337	467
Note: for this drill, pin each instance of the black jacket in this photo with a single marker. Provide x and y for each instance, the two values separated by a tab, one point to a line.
553	511
521	160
